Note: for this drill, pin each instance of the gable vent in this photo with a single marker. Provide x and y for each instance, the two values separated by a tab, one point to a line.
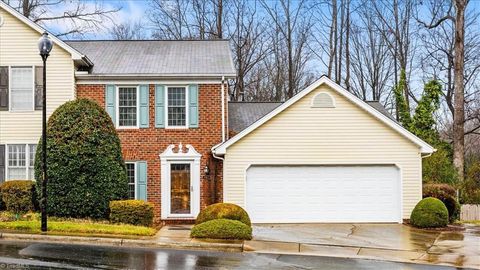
323	100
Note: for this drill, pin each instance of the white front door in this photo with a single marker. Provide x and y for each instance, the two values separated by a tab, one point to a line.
180	183
181	191
297	194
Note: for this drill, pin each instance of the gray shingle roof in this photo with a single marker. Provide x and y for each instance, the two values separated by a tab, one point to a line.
158	57
379	107
243	114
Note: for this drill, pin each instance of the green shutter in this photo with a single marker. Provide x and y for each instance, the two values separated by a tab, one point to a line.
193	106
110	101
159	106
143	106
141	180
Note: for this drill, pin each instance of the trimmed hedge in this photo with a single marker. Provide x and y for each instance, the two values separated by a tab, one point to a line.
446	194
135	212
429	213
85	166
19	196
222	229
223	211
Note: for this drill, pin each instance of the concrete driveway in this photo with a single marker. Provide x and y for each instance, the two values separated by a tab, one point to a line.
393	242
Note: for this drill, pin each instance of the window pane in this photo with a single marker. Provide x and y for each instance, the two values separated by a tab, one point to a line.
32	151
17	162
177	106
180	188
127	106
131	179
21	89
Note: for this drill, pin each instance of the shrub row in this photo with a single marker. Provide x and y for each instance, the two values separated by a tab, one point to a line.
19	196
135	212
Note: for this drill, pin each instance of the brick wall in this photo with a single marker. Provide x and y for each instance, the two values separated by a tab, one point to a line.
148	143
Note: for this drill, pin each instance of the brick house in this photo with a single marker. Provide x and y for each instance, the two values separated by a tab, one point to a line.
322	156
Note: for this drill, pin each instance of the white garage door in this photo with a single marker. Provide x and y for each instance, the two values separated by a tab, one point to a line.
295	194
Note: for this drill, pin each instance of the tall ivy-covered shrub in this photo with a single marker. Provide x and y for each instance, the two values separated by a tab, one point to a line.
423	122
85	166
403	111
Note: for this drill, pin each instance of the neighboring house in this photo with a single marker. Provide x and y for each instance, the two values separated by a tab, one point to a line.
322	156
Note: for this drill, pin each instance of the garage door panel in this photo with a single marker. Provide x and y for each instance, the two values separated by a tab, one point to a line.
323	194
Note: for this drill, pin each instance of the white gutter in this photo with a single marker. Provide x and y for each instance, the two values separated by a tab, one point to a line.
223	109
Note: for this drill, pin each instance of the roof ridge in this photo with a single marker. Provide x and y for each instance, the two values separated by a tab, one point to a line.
255	101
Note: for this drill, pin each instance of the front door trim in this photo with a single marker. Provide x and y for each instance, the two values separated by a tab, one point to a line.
180	156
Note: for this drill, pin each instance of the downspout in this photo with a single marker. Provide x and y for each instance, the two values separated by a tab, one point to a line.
223	109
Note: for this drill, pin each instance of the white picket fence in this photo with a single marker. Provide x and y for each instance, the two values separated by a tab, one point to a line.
470	212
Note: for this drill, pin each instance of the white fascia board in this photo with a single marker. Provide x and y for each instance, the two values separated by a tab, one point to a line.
76	55
425	148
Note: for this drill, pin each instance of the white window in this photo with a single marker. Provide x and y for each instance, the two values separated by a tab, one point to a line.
131	176
20	161
21	89
177	107
127	106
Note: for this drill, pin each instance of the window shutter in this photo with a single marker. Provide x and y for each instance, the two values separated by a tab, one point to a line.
159	106
144	106
38	87
3	88
2	163
193	106
110	101
141	180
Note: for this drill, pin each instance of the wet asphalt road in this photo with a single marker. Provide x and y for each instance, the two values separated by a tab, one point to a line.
20	255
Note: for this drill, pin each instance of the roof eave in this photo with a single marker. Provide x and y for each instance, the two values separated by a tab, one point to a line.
425	148
150	76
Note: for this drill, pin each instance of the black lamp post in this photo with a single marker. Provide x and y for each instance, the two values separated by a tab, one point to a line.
44	47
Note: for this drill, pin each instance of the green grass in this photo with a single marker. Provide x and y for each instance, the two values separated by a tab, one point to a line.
476	222
78	228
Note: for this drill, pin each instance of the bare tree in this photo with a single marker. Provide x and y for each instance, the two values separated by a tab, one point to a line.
455	12
128	31
372	63
250	48
293	27
80	17
187	19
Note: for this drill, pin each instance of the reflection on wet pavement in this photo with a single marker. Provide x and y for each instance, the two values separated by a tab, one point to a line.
63	256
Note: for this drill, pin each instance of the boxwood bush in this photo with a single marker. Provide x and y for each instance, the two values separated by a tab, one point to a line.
223	211
85	166
134	212
19	196
222	229
429	213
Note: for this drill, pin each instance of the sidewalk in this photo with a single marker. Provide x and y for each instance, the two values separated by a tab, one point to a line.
172	237
396	243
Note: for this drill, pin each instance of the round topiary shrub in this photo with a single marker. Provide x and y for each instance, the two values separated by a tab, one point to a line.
429	213
85	166
225	211
222	229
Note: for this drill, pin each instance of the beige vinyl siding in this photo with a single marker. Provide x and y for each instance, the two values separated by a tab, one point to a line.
345	134
18	47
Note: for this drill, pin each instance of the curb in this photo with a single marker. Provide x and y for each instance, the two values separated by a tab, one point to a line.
120	242
251	249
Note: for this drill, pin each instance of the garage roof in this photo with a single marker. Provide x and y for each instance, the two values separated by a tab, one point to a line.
425	148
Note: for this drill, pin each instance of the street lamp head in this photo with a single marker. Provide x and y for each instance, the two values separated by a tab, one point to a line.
45	45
